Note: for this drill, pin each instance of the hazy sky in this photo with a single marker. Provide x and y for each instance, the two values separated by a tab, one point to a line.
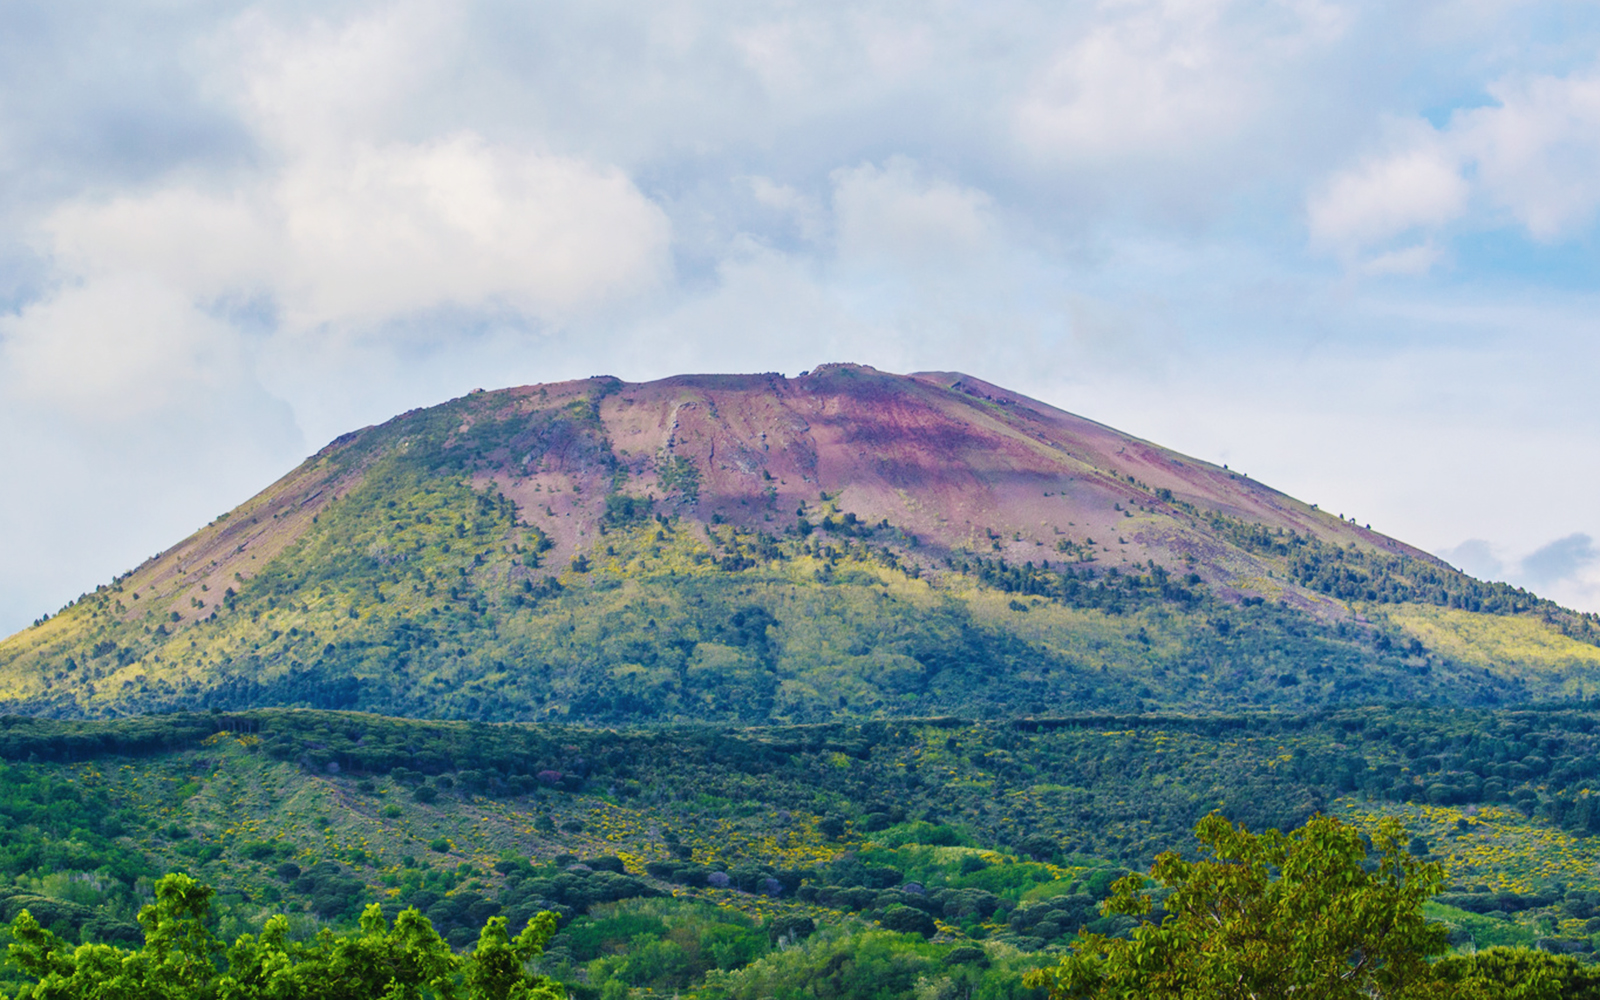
1347	247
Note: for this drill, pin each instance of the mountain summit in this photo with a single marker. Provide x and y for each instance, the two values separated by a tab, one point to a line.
755	548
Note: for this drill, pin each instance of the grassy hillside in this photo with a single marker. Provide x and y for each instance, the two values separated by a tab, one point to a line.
423	600
996	837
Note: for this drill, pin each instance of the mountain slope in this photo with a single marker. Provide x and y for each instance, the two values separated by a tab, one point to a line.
756	548
320	813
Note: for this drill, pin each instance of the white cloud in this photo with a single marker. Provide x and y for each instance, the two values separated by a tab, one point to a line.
334	230
355	232
197	240
342	245
245	217
1538	151
892	213
1534	157
810	218
308	84
1167	78
121	346
1412	260
1387	197
372	232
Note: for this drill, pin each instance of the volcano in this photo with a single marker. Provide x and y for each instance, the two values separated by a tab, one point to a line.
754	548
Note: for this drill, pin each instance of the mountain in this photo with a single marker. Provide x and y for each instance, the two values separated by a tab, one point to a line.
755	549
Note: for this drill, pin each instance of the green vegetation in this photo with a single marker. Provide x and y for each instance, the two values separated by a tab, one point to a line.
1308	913
1006	835
180	959
1269	915
1355	574
740	741
63	845
417	596
1304	914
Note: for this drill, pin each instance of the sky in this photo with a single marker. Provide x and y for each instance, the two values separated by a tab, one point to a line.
1349	248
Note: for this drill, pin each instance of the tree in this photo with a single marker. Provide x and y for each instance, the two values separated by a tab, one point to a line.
1524	974
1303	915
181	960
496	969
906	920
408	960
178	959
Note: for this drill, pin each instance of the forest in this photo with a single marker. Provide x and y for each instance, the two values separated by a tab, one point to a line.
886	857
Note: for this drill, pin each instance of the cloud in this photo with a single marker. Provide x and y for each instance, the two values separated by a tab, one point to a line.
809	217
344	76
892	213
1474	557
339	228
121	347
1165	78
1559	561
1566	570
906	265
242	229
1421	187
1538	151
1412	260
361	233
376	231
1532	158
160	298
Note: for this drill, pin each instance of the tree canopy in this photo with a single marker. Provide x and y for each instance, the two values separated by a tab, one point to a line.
182	960
1307	915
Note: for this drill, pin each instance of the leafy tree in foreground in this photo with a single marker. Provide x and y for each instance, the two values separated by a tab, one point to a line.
181	960
1301	915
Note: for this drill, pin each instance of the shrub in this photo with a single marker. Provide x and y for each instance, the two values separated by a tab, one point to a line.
905	920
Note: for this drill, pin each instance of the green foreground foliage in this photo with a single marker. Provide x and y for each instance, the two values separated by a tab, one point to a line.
658	948
1303	915
1269	915
182	960
1307	915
